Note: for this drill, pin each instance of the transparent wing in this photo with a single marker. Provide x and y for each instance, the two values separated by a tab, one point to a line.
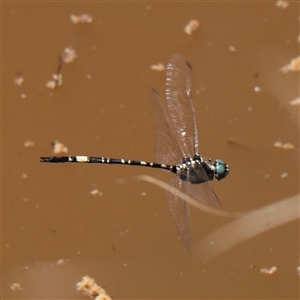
179	209
180	214
180	108
167	149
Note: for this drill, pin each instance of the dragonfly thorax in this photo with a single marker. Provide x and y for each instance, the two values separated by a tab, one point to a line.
198	170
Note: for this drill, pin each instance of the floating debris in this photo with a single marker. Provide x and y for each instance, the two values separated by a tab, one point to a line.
282	4
295	101
60	262
257	89
15	287
271	270
24	176
57	77
232	48
284	146
51	84
284	175
158	67
191	26
89	287
59	148
293	65
18	81
57	81
84	18
23	96
96	192
29	144
69	55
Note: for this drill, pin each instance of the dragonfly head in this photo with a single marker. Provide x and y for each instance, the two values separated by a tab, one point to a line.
221	169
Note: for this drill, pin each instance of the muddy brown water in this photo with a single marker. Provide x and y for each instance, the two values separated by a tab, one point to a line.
54	231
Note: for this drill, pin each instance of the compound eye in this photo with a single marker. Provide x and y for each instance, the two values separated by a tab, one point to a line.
221	169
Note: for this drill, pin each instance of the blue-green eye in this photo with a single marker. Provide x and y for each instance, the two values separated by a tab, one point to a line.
221	169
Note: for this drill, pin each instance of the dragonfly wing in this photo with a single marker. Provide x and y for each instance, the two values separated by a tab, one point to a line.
203	193
167	149
179	104
180	214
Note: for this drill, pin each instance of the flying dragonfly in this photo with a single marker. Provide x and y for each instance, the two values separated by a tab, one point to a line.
176	148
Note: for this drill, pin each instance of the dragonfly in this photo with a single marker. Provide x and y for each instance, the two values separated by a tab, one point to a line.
176	149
